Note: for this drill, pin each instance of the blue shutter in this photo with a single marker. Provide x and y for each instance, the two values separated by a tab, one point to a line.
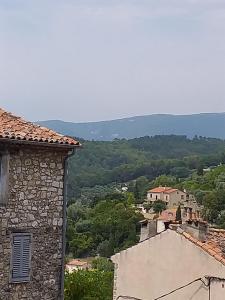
21	254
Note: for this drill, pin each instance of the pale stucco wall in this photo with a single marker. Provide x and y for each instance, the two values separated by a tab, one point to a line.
163	263
174	199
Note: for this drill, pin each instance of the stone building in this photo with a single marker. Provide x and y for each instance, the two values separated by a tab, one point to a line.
180	264
33	164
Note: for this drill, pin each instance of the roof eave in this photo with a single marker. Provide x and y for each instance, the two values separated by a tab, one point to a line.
40	144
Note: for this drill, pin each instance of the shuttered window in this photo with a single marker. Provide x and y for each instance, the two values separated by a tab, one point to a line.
21	257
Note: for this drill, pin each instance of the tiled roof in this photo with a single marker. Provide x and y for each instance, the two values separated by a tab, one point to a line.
213	245
160	189
163	189
168	215
77	262
171	191
15	128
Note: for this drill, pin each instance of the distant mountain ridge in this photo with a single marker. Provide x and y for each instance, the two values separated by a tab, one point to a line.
204	124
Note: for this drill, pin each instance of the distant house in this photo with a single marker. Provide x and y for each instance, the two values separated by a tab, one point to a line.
191	210
33	165
77	264
181	264
172	197
168	215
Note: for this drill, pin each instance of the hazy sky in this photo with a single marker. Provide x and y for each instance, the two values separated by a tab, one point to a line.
85	60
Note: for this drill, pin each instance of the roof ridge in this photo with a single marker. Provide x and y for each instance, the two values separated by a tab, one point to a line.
16	128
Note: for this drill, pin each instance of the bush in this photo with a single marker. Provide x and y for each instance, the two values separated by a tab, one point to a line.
89	285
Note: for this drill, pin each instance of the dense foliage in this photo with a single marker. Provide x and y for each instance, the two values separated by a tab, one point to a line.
108	163
89	285
110	226
101	218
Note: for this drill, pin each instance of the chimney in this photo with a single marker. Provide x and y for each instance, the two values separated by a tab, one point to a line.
198	230
203	230
222	247
148	229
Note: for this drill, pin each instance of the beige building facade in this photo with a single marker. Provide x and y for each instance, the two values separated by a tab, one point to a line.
170	266
172	197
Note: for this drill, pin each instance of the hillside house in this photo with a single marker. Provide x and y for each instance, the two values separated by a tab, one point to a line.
76	265
32	209
172	197
186	263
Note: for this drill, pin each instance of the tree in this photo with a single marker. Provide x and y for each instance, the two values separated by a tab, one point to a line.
102	264
89	285
80	245
222	158
178	214
200	169
147	206
130	199
158	206
164	180
105	248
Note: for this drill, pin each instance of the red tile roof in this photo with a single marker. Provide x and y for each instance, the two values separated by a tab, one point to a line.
160	189
168	215
171	191
163	189
77	262
15	128
213	245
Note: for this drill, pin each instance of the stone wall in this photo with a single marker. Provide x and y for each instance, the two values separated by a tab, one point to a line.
35	205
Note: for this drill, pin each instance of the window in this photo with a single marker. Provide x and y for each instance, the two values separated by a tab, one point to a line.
21	257
4	175
182	197
156	197
150	195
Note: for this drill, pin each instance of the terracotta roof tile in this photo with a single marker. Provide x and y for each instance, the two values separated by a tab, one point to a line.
200	243
163	189
76	262
211	252
15	128
160	189
171	191
168	215
218	257
187	235
213	244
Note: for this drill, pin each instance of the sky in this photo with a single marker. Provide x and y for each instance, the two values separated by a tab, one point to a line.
90	60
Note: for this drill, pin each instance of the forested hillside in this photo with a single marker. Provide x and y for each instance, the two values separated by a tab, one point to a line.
101	216
107	163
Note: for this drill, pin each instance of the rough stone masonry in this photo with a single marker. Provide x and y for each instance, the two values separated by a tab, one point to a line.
34	205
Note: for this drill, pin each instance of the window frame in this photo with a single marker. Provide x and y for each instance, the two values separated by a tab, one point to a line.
4	177
20	279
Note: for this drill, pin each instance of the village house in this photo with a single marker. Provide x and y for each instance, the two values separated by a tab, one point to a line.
172	197
33	176
76	264
180	263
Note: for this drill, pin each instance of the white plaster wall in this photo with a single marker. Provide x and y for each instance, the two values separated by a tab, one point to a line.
164	263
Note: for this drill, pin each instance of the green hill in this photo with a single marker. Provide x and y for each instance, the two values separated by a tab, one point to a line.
103	163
